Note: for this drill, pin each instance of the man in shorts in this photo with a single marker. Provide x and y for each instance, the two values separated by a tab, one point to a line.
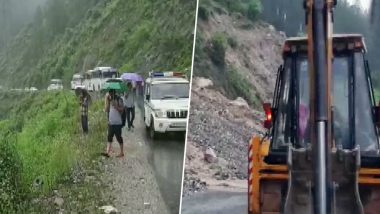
114	107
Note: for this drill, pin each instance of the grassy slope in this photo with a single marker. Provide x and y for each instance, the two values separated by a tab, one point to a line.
132	35
40	132
41	140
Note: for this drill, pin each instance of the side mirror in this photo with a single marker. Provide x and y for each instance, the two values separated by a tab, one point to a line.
147	97
269	115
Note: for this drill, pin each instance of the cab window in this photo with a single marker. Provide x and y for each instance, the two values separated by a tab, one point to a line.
282	130
340	102
365	131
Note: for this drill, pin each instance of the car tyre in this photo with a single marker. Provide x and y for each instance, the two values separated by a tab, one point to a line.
152	132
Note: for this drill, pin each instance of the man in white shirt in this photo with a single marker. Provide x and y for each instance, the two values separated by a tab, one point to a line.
114	108
129	104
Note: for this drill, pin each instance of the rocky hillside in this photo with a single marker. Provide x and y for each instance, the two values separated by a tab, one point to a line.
66	37
240	55
234	72
225	126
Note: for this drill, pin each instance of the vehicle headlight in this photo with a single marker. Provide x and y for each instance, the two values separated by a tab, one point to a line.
159	113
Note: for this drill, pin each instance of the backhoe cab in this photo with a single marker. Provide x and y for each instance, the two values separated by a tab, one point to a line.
355	122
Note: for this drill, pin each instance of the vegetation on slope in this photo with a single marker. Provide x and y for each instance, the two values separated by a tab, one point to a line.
67	37
287	16
14	15
284	15
40	144
210	52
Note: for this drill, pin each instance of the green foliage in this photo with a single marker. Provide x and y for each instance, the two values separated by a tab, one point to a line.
217	51
348	18
46	142
254	10
377	96
138	35
240	86
236	6
249	8
203	13
41	140
10	172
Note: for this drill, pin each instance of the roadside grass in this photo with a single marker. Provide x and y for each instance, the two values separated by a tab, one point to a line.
42	143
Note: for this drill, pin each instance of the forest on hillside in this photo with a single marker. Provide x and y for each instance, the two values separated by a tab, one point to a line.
63	37
288	16
14	15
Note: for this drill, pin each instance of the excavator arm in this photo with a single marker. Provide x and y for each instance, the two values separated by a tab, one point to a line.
322	178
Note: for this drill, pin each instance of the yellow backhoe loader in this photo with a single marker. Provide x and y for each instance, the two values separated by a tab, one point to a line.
321	153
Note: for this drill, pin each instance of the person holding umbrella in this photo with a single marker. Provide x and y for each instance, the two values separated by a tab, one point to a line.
114	107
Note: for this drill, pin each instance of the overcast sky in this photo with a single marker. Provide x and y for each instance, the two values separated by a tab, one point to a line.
364	3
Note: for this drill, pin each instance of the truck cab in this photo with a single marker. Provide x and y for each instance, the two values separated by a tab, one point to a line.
355	118
353	98
166	102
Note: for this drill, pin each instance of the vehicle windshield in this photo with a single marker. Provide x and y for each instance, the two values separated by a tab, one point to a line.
340	93
169	91
56	82
342	96
109	74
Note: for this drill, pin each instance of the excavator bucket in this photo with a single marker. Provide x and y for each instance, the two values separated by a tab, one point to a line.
299	199
344	196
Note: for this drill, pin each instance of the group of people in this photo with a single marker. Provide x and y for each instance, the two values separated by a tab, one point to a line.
120	109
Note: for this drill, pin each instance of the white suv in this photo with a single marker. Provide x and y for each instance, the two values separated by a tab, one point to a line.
55	84
166	102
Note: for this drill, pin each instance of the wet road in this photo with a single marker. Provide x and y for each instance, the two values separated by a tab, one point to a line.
166	157
215	202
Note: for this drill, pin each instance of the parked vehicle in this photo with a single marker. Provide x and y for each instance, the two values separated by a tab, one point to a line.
95	79
77	81
55	84
166	102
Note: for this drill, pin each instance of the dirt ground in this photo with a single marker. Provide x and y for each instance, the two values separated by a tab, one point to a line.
132	178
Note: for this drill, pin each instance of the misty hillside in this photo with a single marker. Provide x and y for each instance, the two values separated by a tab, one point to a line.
14	15
239	52
67	36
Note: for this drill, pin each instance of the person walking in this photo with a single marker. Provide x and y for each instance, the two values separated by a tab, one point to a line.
129	104
84	103
114	108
